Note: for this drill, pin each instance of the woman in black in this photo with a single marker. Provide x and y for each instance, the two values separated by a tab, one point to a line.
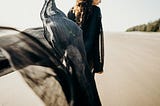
87	15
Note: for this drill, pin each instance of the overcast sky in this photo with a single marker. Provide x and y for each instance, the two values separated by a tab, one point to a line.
117	15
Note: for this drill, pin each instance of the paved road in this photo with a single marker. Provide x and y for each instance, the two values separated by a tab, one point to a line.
132	70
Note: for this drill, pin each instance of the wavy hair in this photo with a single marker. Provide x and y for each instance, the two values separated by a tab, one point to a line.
82	9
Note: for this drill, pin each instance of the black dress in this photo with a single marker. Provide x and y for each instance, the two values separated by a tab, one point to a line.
93	38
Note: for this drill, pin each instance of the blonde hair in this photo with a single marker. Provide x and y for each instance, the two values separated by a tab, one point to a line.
81	9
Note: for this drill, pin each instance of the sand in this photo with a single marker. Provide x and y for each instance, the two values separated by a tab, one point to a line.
132	70
131	76
15	92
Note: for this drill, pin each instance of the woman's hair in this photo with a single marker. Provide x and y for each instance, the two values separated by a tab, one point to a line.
82	9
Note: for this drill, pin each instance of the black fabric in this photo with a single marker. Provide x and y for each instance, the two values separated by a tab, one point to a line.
66	35
93	38
24	49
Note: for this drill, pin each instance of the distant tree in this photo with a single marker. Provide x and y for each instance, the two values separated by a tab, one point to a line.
150	27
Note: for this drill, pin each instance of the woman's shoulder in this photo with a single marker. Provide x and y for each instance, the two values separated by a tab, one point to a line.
71	10
71	15
96	10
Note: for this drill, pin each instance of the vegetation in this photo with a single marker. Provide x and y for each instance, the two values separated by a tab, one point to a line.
150	27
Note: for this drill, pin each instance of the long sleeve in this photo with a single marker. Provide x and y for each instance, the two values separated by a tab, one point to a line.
99	45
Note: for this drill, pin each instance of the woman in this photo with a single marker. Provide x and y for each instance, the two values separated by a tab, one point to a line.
87	15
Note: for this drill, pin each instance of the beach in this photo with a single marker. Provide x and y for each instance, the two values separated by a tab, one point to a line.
14	91
132	70
130	77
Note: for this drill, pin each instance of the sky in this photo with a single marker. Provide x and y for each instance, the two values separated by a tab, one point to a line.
117	15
